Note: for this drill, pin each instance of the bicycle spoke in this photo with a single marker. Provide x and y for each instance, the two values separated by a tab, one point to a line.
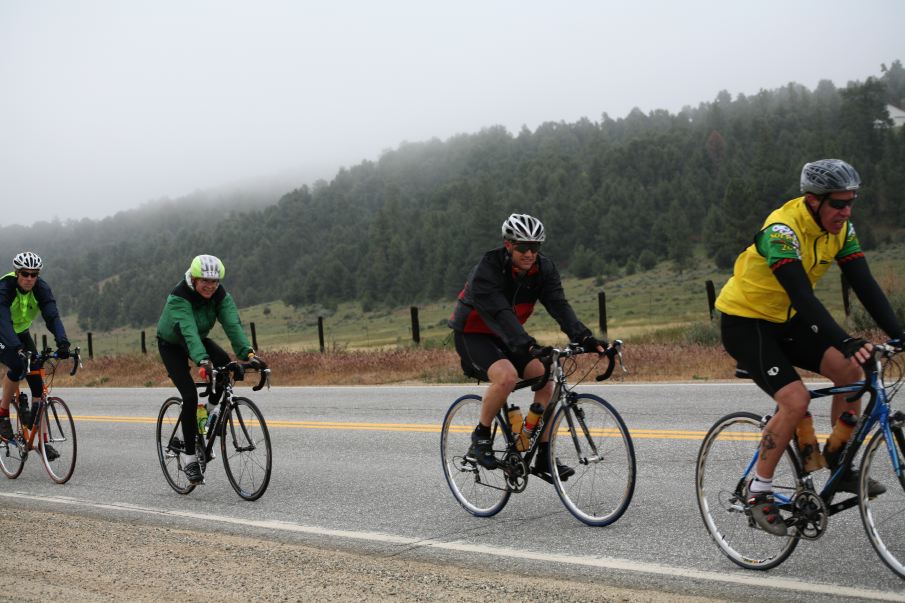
58	444
245	445
884	516
13	453
170	446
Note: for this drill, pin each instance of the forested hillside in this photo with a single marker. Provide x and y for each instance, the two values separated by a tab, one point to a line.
615	195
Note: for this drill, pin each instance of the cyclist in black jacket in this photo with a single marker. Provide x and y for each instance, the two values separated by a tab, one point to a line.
499	296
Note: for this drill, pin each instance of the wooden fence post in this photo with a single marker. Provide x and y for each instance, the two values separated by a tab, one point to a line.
44	342
711	298
320	332
90	346
601	310
254	337
846	290
144	347
416	329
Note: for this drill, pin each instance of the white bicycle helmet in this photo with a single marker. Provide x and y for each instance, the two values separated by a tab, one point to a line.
27	260
522	227
826	176
205	266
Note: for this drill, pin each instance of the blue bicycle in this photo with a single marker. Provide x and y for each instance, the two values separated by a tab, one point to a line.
730	450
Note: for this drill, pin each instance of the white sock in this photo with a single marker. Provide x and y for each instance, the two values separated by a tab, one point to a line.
759	484
189	458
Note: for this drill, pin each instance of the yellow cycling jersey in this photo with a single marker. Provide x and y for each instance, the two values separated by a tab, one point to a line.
789	233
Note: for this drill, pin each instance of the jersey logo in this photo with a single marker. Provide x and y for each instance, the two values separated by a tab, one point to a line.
815	328
773	371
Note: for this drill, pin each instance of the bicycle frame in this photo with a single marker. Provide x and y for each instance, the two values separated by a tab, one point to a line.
29	433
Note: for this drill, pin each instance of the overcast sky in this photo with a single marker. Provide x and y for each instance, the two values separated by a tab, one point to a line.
105	105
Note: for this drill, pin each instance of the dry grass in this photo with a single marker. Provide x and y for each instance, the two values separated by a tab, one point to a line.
645	362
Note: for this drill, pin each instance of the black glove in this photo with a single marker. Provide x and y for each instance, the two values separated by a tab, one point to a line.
851	345
257	362
589	344
63	350
539	351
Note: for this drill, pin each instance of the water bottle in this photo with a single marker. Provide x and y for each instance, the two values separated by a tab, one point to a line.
516	421
202	419
212	417
842	431
807	445
534	413
24	413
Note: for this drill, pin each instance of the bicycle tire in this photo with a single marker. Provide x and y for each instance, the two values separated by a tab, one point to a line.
723	459
602	455
882	516
170	446
13	453
246	450
482	492
57	429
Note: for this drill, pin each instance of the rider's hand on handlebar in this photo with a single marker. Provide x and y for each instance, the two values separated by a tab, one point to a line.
539	351
205	369
591	344
63	350
857	348
257	362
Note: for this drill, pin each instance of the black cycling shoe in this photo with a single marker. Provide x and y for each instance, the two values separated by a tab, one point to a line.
6	429
51	452
481	451
542	469
849	483
193	473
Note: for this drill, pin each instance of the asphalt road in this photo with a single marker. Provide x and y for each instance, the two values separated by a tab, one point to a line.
379	487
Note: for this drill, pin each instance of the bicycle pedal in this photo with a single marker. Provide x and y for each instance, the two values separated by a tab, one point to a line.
547	477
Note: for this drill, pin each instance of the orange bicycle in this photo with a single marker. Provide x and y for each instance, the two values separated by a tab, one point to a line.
47	428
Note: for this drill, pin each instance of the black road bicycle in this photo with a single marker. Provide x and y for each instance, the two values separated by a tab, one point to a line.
587	433
729	453
237	421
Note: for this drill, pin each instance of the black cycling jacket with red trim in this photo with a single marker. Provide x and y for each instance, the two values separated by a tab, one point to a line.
497	300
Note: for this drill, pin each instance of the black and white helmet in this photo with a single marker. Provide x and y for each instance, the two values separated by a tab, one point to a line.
826	176
522	227
27	260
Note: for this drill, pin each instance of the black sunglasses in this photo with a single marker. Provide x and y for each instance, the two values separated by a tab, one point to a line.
28	274
526	247
839	203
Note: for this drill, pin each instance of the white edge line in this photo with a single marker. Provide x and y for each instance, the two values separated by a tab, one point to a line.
759	581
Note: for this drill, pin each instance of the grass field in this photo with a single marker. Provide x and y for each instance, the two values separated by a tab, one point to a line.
652	311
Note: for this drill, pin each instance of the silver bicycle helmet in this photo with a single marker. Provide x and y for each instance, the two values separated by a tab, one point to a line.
205	266
27	260
522	227
826	176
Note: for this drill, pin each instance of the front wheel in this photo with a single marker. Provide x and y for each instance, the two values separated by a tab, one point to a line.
725	462
884	516
57	440
170	446
245	446
13	453
483	492
589	436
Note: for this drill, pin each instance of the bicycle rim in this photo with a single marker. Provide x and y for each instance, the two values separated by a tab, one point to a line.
482	492
13	453
725	456
58	444
884	516
592	438
170	446
245	445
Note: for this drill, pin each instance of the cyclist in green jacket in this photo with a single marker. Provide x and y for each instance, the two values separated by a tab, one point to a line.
191	311
22	295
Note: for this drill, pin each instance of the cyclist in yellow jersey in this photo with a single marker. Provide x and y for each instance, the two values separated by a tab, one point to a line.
772	322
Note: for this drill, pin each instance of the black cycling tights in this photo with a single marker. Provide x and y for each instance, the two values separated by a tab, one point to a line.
176	360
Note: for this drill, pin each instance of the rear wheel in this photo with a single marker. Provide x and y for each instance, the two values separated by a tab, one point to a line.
245	445
725	462
170	446
483	492
884	516
13	452
58	444
589	436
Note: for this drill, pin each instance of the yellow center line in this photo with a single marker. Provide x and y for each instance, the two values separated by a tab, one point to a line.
639	434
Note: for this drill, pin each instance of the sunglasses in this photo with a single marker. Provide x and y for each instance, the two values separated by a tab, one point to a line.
28	274
526	247
839	203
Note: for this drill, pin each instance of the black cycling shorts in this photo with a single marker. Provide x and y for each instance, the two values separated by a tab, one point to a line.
478	351
770	351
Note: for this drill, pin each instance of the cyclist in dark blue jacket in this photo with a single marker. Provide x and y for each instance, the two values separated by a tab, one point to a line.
22	295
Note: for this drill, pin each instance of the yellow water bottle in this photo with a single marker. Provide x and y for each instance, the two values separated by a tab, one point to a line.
842	431
807	445
515	422
534	413
202	419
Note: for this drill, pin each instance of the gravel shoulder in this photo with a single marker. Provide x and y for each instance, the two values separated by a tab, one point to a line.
73	557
